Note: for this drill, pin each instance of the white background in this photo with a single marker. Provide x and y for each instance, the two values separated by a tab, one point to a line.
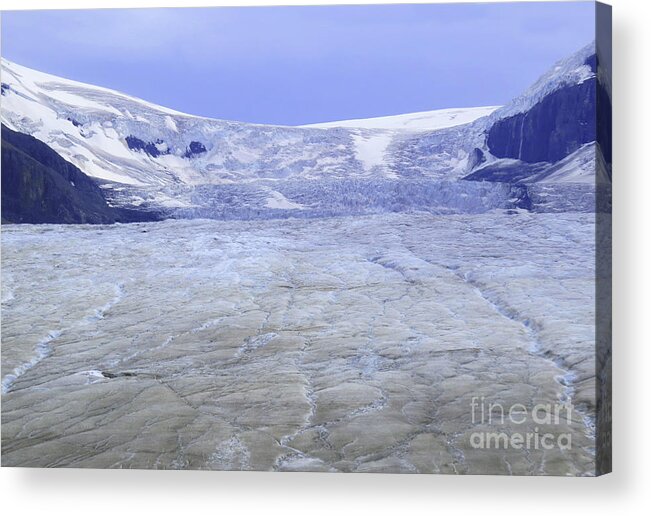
626	491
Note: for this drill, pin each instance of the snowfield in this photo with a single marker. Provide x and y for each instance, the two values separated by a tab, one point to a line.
330	344
415	122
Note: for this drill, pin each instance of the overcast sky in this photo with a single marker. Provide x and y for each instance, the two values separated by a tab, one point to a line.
298	65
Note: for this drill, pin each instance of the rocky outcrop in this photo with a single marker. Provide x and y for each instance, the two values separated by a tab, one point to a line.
39	186
153	149
509	172
555	127
195	149
475	158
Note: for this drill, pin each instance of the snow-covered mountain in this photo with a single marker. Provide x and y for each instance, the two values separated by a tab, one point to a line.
117	138
121	140
143	154
150	157
570	71
547	136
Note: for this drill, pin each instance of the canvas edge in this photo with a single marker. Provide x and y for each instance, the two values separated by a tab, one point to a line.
603	241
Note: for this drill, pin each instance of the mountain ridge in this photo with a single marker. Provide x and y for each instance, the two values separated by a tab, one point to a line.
150	158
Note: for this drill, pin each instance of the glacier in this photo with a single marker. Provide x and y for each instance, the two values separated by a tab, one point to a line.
329	297
351	344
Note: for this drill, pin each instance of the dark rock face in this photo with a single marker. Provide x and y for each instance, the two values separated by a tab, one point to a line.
592	63
194	149
4	88
557	126
39	186
475	158
150	148
507	172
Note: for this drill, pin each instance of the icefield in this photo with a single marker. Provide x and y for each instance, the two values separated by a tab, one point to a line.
330	344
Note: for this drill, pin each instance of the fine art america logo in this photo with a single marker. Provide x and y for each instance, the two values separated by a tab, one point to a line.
517	415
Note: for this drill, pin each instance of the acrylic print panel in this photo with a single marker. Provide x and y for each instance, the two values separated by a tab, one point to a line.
342	239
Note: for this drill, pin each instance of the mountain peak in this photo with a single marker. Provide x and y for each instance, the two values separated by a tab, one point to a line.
571	70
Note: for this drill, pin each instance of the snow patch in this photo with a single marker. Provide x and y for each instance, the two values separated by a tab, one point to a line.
277	201
171	124
370	148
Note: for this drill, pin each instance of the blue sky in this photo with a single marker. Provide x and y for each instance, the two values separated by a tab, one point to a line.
297	65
